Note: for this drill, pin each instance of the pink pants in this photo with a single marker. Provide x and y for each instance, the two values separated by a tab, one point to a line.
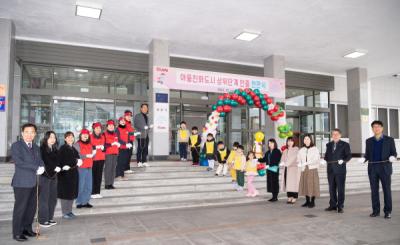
251	189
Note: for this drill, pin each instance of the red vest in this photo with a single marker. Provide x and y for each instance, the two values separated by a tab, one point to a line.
123	136
111	138
131	130
84	150
100	155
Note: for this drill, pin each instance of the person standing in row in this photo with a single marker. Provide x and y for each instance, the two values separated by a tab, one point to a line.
194	142
48	180
86	152
251	173
231	161
183	139
124	150
68	178
28	164
141	123
210	150
337	154
98	140
112	149
380	152
131	135
222	155
239	164
272	159
309	161
291	174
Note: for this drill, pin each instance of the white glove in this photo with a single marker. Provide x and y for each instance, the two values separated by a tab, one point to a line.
266	166
118	145
322	162
98	147
282	164
392	159
66	168
40	171
94	152
361	160
114	143
340	162
299	165
89	155
79	163
102	147
146	127
151	125
57	169
137	133
129	145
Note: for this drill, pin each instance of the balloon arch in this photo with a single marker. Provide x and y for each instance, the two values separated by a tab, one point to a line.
250	97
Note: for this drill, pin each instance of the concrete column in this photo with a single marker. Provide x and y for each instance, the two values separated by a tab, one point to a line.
358	90
274	66
159	111
7	60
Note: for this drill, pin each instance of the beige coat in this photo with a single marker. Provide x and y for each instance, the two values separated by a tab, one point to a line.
289	159
308	157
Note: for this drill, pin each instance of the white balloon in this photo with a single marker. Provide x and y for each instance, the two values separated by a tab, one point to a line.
271	106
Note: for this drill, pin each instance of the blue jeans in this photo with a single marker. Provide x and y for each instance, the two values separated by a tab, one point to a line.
183	149
85	185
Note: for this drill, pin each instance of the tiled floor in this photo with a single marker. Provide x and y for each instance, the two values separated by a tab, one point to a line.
266	223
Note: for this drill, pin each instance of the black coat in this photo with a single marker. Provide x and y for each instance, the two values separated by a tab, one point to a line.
342	152
388	150
68	180
272	160
219	158
51	161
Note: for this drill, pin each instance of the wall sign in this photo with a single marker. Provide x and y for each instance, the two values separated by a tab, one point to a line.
161	112
215	82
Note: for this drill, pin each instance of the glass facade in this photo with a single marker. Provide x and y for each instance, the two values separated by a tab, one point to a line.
70	98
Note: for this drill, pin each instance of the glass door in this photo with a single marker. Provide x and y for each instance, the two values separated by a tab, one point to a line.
67	116
98	111
244	123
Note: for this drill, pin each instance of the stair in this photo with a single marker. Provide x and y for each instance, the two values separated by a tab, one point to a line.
172	185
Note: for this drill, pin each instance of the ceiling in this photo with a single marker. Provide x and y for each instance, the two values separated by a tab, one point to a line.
313	35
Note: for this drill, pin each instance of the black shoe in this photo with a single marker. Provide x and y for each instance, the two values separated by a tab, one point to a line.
374	215
88	205
29	233
312	203
274	199
340	210
305	204
388	216
112	187
80	206
20	238
330	209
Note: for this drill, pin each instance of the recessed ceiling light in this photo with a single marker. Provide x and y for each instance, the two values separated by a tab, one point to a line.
247	36
356	54
55	73
86	11
80	70
204	97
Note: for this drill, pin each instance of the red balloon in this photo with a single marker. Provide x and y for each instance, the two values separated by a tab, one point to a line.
220	109
269	100
220	97
234	96
252	94
226	96
269	112
276	108
227	108
247	90
274	118
283	148
281	114
266	96
256	98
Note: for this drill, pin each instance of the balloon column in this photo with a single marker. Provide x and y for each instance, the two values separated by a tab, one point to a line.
257	147
250	97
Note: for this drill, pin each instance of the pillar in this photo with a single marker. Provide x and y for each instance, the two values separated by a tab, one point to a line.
358	108
274	67
7	60
158	106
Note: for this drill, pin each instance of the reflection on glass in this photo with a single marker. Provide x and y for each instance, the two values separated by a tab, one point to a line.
98	112
306	123
34	76
67	116
254	114
131	83
36	109
320	142
322	122
239	118
299	97
321	99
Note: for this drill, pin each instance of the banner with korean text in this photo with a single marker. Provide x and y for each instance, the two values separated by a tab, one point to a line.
214	82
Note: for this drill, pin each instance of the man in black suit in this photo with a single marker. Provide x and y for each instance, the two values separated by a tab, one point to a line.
28	164
337	154
380	152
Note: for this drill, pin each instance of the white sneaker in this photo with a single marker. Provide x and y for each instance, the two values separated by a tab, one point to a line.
129	171
140	165
145	164
181	159
99	196
96	196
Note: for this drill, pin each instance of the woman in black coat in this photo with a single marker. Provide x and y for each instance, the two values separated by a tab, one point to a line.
68	178
272	158
48	180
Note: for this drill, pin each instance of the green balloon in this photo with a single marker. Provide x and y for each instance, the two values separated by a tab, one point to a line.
248	97
257	91
214	107
289	134
227	101
250	102
237	91
244	93
282	135
265	108
234	103
222	114
220	102
263	102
